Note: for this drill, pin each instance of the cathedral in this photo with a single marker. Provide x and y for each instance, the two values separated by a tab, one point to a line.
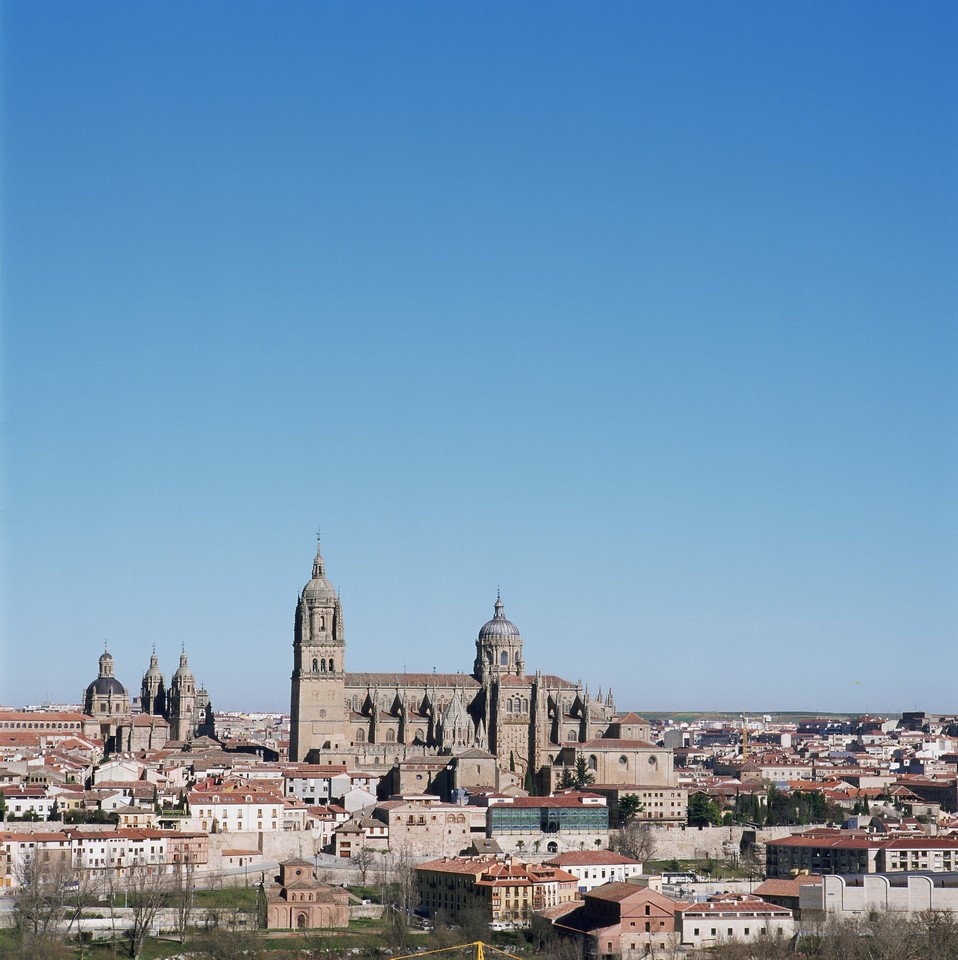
528	722
179	713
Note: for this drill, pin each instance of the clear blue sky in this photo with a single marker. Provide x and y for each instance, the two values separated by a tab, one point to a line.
644	311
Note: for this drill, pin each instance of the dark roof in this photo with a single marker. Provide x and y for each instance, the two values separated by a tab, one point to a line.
104	686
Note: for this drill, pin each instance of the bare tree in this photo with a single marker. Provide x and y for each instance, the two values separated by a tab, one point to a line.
637	840
44	881
403	900
219	943
363	859
182	897
86	887
147	892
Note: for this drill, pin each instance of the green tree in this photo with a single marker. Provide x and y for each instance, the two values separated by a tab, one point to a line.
630	806
703	811
583	775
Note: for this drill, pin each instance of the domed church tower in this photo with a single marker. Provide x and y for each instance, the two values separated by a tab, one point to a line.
153	690
498	647
106	700
182	705
317	708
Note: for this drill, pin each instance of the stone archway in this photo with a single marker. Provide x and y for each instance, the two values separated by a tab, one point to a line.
301	921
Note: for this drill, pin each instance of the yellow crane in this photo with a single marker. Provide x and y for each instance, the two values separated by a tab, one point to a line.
478	945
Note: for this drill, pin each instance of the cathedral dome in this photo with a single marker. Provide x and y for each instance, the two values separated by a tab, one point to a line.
499	628
105	686
319	589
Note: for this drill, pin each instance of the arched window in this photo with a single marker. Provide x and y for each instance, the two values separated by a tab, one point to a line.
593	763
322	623
356	703
571	736
332	669
525	705
509	705
504	658
552	847
390	736
324	664
360	736
517	656
315	665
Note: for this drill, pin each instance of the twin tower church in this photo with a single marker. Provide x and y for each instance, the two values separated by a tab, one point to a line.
531	723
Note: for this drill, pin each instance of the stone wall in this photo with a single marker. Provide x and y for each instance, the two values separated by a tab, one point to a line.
700	843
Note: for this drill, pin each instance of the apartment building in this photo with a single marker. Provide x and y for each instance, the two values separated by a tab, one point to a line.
853	852
504	890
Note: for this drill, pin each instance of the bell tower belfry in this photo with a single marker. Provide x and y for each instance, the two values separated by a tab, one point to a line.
318	702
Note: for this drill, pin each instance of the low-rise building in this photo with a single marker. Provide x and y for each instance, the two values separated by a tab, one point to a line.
426	828
360	833
298	901
593	868
568	821
731	918
848	898
853	852
504	890
236	810
31	802
659	804
619	919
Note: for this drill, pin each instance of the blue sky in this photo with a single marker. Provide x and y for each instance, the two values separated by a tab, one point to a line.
645	312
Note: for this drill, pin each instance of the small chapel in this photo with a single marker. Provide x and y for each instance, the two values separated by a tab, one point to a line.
298	901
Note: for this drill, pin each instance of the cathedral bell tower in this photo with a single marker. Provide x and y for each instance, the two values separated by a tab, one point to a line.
317	709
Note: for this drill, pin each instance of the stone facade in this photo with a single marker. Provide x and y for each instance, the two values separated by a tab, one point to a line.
107	701
522	720
179	712
422	827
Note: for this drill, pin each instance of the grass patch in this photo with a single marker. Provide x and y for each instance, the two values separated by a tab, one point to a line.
237	898
371	891
710	869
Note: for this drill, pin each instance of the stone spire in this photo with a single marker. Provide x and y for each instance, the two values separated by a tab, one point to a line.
319	568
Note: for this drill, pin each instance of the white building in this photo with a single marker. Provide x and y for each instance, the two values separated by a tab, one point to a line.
593	868
237	811
850	897
731	918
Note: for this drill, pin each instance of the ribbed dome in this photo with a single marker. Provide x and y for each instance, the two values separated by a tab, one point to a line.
154	669
499	627
183	670
103	686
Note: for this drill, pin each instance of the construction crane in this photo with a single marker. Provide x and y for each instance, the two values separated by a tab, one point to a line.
744	738
477	945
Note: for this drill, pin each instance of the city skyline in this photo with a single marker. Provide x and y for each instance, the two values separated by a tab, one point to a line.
644	317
